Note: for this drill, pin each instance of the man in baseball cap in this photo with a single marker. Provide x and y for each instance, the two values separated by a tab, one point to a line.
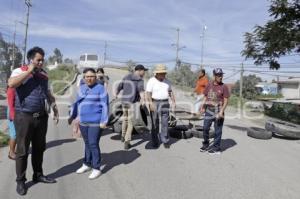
133	91
215	102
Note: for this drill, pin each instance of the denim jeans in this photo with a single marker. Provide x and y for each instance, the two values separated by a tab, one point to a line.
91	135
160	122
218	125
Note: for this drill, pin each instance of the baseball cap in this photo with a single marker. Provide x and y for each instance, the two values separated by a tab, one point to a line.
140	67
218	71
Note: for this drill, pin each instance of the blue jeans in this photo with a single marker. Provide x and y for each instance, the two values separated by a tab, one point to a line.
218	125
91	135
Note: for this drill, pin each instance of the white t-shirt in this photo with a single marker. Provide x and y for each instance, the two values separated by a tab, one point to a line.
160	90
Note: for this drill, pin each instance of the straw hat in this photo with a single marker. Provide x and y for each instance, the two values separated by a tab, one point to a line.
160	68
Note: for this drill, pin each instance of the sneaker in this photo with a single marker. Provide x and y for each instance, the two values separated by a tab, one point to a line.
214	151
204	147
127	145
84	168
95	174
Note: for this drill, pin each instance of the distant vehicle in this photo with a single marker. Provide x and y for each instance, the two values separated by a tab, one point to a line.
88	61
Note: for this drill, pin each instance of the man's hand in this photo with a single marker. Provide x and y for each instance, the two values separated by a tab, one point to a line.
31	68
202	110
56	115
220	114
70	120
102	126
152	107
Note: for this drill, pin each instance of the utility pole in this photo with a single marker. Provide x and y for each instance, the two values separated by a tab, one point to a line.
14	49
178	48
104	56
241	84
28	4
202	45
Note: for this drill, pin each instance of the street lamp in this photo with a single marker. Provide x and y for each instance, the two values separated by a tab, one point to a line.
202	45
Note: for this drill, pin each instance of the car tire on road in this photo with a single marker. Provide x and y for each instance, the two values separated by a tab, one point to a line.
141	117
117	127
259	133
199	133
180	134
283	128
115	110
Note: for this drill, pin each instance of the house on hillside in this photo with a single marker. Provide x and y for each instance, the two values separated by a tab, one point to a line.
290	89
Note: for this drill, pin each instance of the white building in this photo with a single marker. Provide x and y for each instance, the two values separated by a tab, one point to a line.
290	89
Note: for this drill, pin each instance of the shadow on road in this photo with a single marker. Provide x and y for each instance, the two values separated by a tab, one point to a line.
227	143
116	158
107	131
55	143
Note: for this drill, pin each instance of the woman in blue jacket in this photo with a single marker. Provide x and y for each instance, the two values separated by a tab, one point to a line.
91	107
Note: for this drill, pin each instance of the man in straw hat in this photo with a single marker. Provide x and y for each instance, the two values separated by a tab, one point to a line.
159	91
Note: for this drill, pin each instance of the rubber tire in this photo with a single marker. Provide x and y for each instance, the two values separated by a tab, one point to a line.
116	112
283	128
141	117
180	134
117	127
199	133
259	133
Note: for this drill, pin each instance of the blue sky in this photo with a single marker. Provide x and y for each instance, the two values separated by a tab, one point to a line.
141	30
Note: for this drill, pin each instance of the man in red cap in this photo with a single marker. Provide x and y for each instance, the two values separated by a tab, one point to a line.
214	105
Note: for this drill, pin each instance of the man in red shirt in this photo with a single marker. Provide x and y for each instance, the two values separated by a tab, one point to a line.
215	102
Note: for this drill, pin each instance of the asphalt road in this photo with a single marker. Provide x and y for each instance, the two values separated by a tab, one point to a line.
247	168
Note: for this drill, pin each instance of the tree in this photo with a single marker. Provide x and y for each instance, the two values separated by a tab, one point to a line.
6	55
57	57
130	65
184	76
249	90
68	61
278	37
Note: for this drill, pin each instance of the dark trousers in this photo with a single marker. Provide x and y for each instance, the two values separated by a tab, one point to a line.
160	119
218	125
91	135
30	129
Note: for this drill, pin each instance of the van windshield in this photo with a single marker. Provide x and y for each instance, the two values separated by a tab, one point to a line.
92	57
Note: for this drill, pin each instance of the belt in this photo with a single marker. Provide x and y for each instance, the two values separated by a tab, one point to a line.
160	100
35	114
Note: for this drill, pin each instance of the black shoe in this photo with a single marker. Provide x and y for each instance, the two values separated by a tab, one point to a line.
155	145
122	139
21	188
204	147
214	151
166	145
43	179
127	145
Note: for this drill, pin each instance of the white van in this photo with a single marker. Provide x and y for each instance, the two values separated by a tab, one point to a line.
88	61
